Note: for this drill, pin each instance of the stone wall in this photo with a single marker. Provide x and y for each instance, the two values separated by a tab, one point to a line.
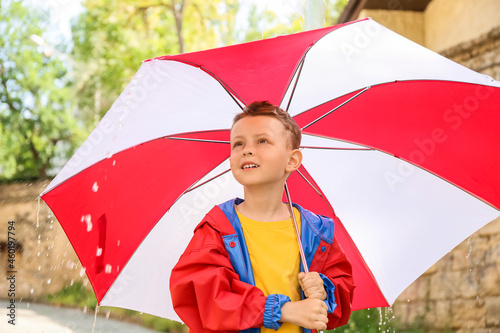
461	292
481	54
44	260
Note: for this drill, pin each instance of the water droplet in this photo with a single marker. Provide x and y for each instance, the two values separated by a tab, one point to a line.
39	267
32	290
48	281
118	243
114	162
38	254
82	272
109	154
95	187
108	269
470	248
99	252
88	219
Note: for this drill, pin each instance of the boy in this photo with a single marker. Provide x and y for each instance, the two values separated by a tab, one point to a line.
241	269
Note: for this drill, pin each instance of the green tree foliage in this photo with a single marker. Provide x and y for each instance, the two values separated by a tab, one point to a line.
38	101
36	124
333	9
113	37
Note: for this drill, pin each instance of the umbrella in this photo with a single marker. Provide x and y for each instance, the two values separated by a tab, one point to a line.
400	148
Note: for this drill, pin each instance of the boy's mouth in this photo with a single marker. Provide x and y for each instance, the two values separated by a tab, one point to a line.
249	166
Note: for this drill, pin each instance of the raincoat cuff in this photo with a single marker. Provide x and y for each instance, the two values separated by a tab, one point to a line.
272	310
330	293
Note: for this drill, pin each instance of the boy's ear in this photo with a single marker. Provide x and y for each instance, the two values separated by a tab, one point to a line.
294	161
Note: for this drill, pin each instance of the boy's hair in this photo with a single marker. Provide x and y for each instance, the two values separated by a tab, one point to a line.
264	108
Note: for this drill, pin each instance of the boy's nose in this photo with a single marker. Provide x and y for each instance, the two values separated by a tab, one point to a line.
248	151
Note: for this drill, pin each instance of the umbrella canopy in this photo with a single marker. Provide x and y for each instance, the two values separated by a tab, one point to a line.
400	148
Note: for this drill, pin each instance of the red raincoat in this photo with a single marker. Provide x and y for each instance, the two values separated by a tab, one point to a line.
212	285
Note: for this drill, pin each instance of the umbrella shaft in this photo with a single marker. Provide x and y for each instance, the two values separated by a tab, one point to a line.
297	232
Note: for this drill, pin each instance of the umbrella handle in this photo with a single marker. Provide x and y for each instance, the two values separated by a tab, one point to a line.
297	233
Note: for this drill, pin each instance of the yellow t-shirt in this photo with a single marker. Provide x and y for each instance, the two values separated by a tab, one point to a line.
274	254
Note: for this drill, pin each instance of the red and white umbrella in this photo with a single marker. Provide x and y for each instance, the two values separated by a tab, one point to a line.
402	143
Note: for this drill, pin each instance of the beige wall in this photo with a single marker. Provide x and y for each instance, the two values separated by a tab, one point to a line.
451	22
444	24
406	23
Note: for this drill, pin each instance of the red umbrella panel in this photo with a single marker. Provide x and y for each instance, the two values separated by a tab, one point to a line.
400	148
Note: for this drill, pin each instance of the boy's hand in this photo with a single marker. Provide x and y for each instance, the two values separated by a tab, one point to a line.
312	285
307	313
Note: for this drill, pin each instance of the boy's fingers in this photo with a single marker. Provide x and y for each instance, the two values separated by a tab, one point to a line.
322	325
316	296
313	286
312	279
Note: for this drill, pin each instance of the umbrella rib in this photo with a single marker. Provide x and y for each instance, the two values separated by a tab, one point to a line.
337	107
299	70
310	184
207	181
231	93
198	140
336	148
302	61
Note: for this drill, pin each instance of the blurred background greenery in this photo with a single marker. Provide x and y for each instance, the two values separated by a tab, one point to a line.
55	86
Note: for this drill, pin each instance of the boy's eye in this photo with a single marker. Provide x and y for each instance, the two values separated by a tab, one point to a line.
263	141
237	144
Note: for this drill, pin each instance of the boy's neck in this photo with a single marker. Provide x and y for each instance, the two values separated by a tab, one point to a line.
264	204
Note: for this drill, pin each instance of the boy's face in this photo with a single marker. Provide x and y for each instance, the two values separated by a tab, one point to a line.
260	153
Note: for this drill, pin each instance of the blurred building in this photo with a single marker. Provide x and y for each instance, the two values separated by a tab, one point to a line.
465	31
461	293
